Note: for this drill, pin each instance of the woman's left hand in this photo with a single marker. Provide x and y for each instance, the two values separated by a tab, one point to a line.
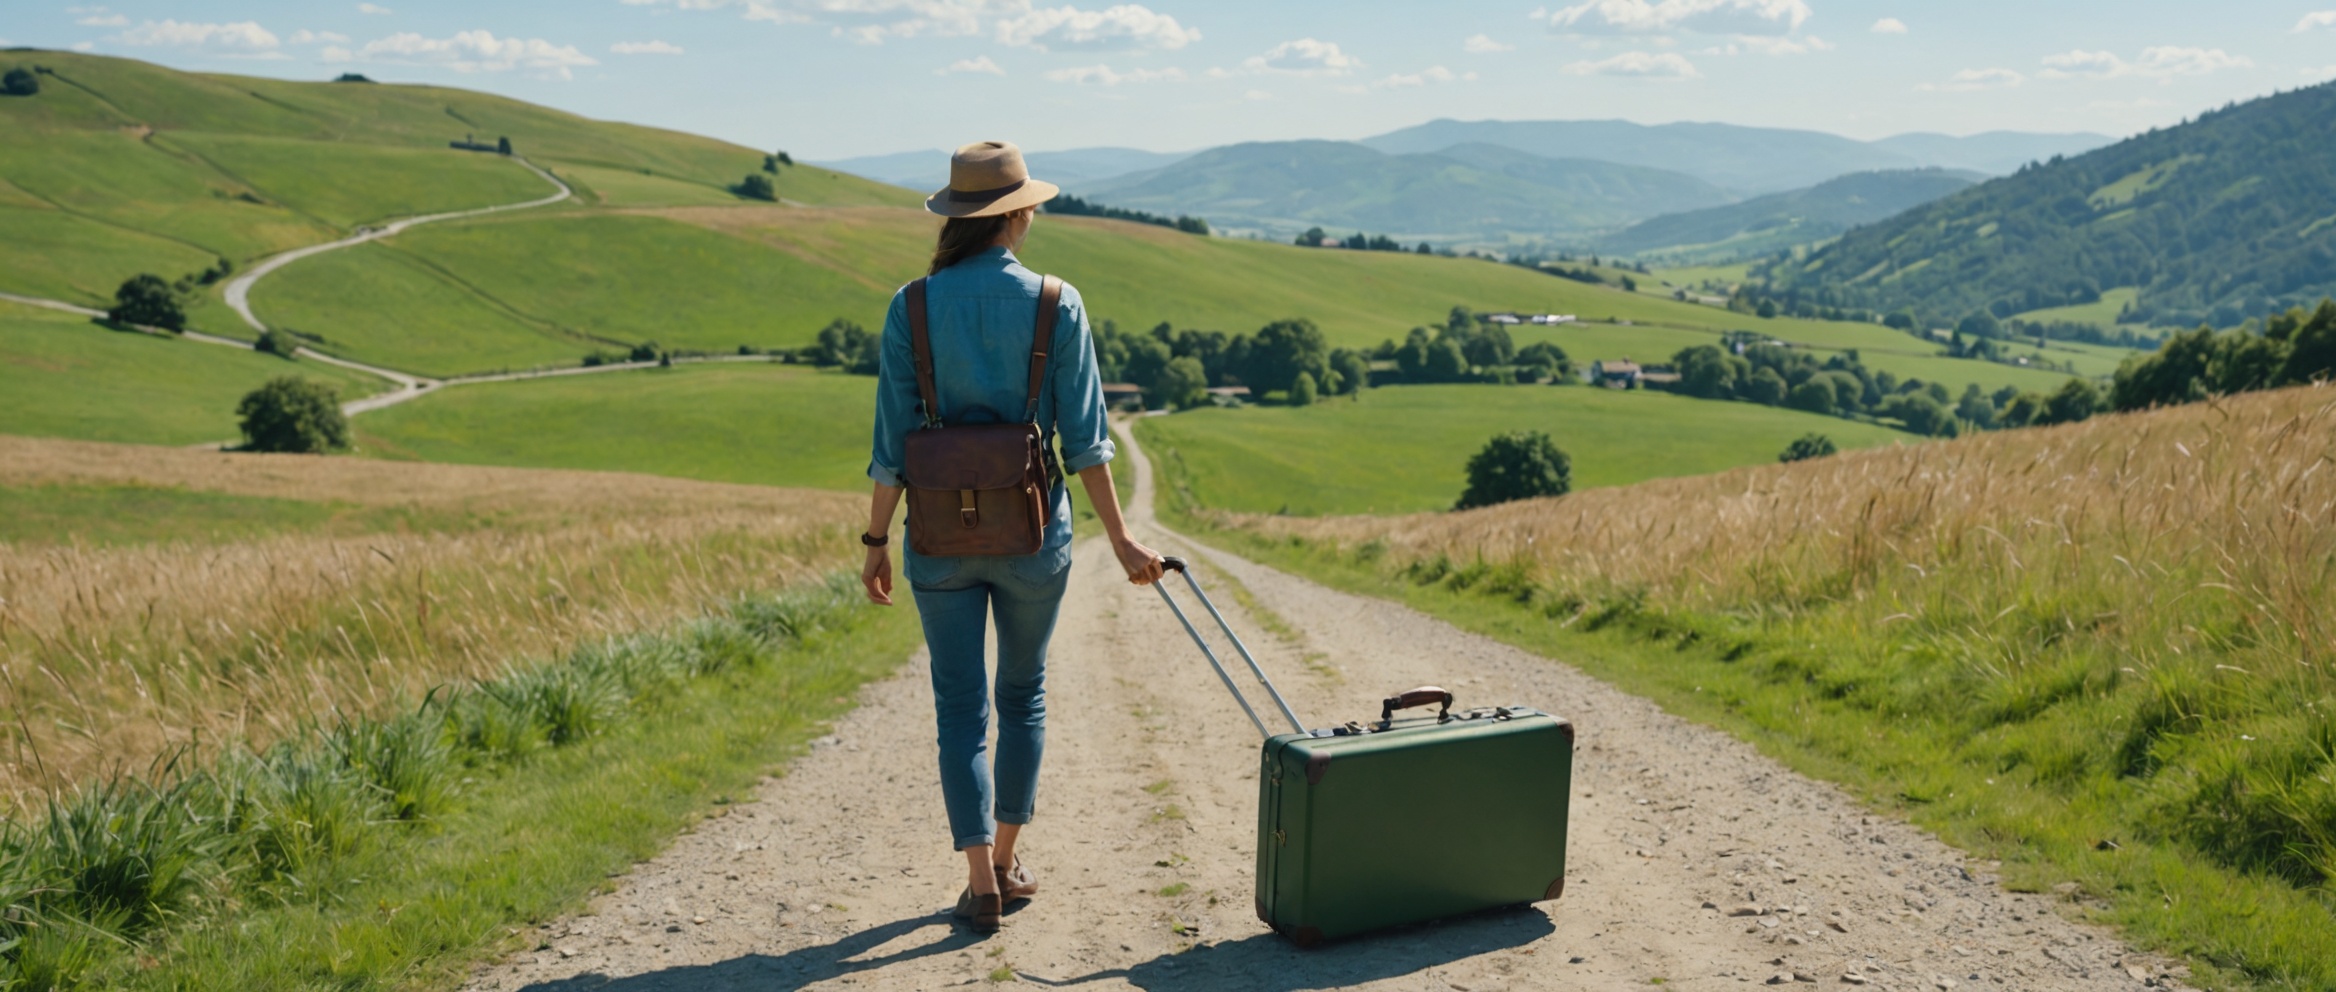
1143	564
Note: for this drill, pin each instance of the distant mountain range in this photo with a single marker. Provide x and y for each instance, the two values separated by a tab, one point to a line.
1473	183
1765	224
2229	216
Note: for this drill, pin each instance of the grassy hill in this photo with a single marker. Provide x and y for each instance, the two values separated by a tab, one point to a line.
1767	224
118	167
2223	218
62	376
1406	449
1470	194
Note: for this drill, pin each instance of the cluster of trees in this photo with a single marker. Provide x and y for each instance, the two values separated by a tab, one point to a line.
1513	466
772	162
845	344
20	81
2217	221
1841	385
293	415
1467	349
1316	237
757	186
145	300
2069	330
502	146
1071	206
1807	446
1176	368
2294	347
646	351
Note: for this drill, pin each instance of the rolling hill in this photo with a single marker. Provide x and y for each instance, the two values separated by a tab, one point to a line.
1470	193
1781	220
2223	218
929	170
1746	159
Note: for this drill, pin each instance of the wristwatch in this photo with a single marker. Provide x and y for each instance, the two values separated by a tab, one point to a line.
874	541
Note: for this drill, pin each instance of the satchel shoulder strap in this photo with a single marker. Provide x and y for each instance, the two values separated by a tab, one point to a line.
921	340
1050	297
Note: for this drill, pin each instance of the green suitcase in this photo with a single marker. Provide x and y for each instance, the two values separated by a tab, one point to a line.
1402	820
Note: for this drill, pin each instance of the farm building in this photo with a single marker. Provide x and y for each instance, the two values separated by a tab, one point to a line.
1623	374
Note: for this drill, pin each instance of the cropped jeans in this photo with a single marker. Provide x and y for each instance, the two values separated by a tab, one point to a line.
954	597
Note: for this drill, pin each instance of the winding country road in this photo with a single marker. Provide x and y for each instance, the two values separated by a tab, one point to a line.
1694	861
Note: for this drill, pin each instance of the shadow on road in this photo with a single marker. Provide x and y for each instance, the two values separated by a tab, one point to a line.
1259	963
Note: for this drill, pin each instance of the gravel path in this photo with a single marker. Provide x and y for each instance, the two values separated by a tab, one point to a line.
1693	859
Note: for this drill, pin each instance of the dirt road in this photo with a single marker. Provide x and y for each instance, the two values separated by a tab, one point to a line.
1693	860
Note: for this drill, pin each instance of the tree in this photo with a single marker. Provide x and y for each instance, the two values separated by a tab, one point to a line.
1445	363
147	301
1354	371
756	186
503	146
1920	413
1813	396
847	344
1312	238
786	160
1807	446
1517	465
1412	358
1147	358
1334	384
1546	360
2311	345
20	81
276	343
1899	320
2021	411
2075	400
1280	351
1302	390
1709	373
1975	407
1765	387
770	164
292	414
1767	309
1980	324
1183	384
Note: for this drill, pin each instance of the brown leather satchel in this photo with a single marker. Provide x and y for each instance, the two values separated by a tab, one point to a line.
978	489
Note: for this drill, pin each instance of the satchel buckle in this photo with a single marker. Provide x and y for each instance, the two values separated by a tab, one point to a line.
967	513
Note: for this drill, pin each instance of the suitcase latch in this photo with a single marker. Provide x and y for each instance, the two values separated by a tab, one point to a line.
1280	838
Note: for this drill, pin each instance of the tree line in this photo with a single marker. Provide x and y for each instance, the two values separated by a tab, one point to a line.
2293	348
1841	385
1071	206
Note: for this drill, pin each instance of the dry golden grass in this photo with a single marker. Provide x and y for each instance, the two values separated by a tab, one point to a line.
112	657
2235	499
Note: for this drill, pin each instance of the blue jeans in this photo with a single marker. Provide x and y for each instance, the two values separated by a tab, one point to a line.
954	597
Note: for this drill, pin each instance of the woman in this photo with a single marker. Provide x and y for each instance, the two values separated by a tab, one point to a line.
981	308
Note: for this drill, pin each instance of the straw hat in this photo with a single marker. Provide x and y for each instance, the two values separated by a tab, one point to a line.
987	178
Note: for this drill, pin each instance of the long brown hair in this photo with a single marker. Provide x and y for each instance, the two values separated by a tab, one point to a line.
964	237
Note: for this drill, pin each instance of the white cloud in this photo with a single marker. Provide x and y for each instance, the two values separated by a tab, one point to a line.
978	65
2314	20
373	8
1257	95
645	48
1482	44
1976	79
1305	57
245	39
1699	16
1124	26
1103	75
2159	62
1664	65
469	51
103	21
1432	74
84	46
1759	45
307	37
1889	25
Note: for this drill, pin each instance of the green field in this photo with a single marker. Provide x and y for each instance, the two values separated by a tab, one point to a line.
1403	449
765	424
63	376
2101	313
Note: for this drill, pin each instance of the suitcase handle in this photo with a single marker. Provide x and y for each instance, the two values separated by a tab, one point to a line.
1417	697
1174	564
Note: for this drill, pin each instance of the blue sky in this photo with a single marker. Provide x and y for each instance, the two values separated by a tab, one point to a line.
832	78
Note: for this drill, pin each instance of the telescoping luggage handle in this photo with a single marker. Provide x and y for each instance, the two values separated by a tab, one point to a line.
1175	564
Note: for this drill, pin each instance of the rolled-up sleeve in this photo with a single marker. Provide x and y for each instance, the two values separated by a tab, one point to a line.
896	395
1079	420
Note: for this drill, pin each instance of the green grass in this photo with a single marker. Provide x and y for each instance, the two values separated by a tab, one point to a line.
609	187
2101	313
754	423
1405	448
345	185
63	376
376	303
103	515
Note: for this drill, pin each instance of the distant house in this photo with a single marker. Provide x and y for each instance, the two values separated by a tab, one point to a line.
1550	319
1116	393
1623	374
1229	395
1502	318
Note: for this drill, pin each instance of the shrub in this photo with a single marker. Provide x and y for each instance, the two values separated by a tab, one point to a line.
20	81
1807	446
503	146
1182	383
1517	465
276	343
756	186
2074	401
292	414
146	300
1302	390
1813	396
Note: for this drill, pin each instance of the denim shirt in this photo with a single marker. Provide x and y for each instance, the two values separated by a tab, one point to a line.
980	314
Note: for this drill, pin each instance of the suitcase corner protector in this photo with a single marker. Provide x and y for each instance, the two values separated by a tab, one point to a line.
1307	937
1555	890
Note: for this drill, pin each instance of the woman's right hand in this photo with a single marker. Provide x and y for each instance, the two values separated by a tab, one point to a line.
1143	564
876	576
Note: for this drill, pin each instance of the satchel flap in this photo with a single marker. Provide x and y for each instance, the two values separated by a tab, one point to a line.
973	456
